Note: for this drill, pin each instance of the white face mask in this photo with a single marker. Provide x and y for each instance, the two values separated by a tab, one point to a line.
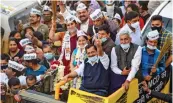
110	10
135	25
83	46
126	4
72	30
125	46
151	47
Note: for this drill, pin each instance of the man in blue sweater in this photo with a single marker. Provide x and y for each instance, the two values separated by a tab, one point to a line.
150	54
94	71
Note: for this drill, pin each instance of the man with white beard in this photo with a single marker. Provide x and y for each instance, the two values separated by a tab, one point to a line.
125	62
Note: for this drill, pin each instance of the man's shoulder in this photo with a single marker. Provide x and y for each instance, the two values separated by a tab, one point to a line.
22	77
125	28
117	47
42	67
157	51
111	43
135	45
3	75
43	26
111	25
26	25
166	32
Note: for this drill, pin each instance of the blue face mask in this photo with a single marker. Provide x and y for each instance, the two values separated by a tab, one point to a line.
48	56
103	40
92	59
4	66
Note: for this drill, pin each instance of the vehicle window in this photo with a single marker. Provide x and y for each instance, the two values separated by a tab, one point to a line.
167	22
167	10
23	16
168	26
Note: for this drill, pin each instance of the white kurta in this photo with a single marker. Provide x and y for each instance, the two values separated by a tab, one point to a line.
135	63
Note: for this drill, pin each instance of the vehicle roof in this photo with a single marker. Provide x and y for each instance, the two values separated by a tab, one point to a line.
16	5
164	9
167	11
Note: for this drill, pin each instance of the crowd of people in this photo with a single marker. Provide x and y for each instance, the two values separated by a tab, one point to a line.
99	43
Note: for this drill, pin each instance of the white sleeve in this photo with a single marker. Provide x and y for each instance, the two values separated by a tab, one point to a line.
22	80
38	78
62	54
4	78
104	60
80	70
114	65
135	63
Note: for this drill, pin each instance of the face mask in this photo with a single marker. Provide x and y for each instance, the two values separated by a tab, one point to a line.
92	59
47	18
135	25
126	4
156	28
125	46
103	40
4	66
151	47
48	56
72	30
82	47
110	10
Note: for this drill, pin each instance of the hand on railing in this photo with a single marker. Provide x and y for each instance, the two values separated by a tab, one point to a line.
58	85
126	85
65	78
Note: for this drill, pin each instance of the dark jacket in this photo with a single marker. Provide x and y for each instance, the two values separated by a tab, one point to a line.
92	81
162	96
107	46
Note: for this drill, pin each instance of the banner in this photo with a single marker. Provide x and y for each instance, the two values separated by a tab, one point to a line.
135	94
120	96
158	83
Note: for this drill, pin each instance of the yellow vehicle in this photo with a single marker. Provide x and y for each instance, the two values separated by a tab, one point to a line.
135	93
79	96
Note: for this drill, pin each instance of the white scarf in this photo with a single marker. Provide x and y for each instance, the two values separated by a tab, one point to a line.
66	45
80	55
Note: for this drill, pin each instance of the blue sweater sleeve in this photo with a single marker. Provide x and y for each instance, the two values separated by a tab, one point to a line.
145	72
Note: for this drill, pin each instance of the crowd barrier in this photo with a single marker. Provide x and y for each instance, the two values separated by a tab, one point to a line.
135	94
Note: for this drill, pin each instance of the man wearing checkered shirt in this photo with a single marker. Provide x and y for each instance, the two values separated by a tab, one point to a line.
157	24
